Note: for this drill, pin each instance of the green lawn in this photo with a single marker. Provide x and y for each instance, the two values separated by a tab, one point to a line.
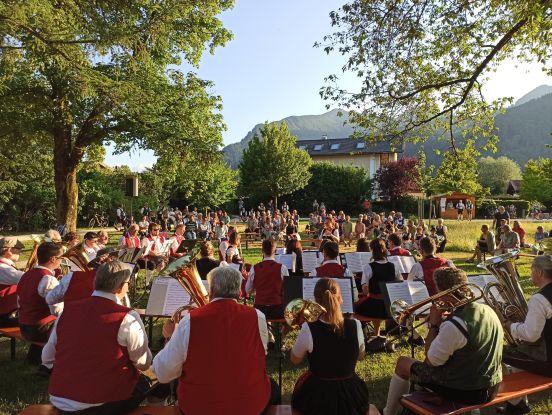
20	386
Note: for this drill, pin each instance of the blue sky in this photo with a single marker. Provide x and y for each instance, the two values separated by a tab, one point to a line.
270	69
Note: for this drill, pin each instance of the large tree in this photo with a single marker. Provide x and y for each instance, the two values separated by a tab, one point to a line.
497	173
397	178
84	73
272	166
537	181
423	64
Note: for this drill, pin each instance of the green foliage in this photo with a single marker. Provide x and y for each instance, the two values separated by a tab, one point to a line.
458	172
423	64
486	208
339	187
537	181
497	173
272	166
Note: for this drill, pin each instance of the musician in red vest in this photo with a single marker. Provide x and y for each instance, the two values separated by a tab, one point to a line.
423	270
154	244
36	317
130	239
266	279
106	381
178	238
218	354
80	284
10	249
330	267
394	243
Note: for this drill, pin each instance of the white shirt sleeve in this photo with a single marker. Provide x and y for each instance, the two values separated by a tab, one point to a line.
416	273
167	365
249	283
303	344
9	275
285	272
132	335
263	329
56	295
360	336
49	350
366	274
47	284
539	310
449	339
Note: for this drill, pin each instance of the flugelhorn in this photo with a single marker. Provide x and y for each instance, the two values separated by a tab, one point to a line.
299	311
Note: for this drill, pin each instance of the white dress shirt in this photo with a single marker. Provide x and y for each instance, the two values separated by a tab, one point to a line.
367	272
449	339
167	365
539	310
304	343
249	284
56	295
47	284
131	335
417	272
9	275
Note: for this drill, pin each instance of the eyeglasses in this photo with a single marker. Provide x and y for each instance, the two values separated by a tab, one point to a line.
126	282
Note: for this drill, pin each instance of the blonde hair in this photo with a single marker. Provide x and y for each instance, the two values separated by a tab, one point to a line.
328	294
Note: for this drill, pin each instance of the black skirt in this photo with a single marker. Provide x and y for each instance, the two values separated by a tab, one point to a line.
372	307
315	396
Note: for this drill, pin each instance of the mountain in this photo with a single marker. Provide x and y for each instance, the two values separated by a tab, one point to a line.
524	130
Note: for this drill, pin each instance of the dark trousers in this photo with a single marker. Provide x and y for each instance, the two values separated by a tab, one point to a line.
271	312
39	334
119	407
529	365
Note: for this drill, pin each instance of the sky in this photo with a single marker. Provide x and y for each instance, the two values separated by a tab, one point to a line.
270	70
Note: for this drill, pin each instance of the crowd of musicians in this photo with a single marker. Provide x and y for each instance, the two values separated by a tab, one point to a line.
97	348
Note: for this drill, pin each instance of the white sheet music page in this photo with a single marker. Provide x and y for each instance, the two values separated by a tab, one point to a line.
410	291
357	260
176	297
403	263
418	292
310	260
346	292
286	260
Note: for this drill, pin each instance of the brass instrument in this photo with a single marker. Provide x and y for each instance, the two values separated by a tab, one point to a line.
299	311
31	262
77	256
458	296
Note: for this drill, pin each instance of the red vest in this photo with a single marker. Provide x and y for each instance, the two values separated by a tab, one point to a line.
429	265
8	298
81	285
330	270
161	240
132	241
33	309
398	251
225	370
179	239
91	366
267	282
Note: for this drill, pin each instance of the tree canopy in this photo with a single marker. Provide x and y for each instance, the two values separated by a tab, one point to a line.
537	181
422	65
85	73
272	166
495	174
397	178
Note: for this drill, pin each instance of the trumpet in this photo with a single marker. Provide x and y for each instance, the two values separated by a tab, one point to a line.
298	311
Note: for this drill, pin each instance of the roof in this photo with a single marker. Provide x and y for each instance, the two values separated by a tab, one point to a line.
515	185
341	146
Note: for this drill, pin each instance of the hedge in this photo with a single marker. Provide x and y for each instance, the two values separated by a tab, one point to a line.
486	208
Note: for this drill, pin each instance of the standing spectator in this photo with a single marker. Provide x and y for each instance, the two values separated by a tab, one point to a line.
469	209
224	218
360	228
121	217
145	210
191	228
347	227
315	206
460	209
442	231
322	206
498	216
521	233
165	216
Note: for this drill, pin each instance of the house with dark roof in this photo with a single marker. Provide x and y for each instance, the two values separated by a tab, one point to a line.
351	152
514	187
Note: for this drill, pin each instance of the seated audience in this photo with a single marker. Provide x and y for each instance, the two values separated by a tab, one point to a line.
423	270
509	240
237	339
463	352
207	262
333	345
10	249
108	380
485	243
516	227
441	231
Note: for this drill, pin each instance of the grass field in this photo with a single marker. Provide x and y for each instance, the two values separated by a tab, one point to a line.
20	386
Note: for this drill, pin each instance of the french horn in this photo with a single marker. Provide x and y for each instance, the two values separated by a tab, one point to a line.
299	311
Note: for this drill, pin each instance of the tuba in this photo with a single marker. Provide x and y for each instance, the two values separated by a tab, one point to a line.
298	311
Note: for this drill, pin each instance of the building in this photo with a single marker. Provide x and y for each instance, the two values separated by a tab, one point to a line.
514	187
351	152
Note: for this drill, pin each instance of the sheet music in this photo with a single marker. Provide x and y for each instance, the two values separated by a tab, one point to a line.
346	292
166	296
357	260
481	281
286	260
311	260
166	245
235	266
280	251
403	263
410	291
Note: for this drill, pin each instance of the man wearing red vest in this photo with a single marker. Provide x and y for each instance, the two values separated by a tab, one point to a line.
423	270
10	249
130	239
395	249
330	267
218	353
266	279
153	243
36	317
97	348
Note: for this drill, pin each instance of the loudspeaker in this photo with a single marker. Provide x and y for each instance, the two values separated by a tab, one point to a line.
131	188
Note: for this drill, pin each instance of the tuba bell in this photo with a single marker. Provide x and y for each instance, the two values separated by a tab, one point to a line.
299	311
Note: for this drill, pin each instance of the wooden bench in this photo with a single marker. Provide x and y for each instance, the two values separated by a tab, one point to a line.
514	385
14	333
141	410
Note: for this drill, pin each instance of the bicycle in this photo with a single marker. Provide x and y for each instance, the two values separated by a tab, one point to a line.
99	221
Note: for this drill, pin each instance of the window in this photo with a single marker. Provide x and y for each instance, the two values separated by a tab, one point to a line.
334	147
318	147
361	144
303	147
